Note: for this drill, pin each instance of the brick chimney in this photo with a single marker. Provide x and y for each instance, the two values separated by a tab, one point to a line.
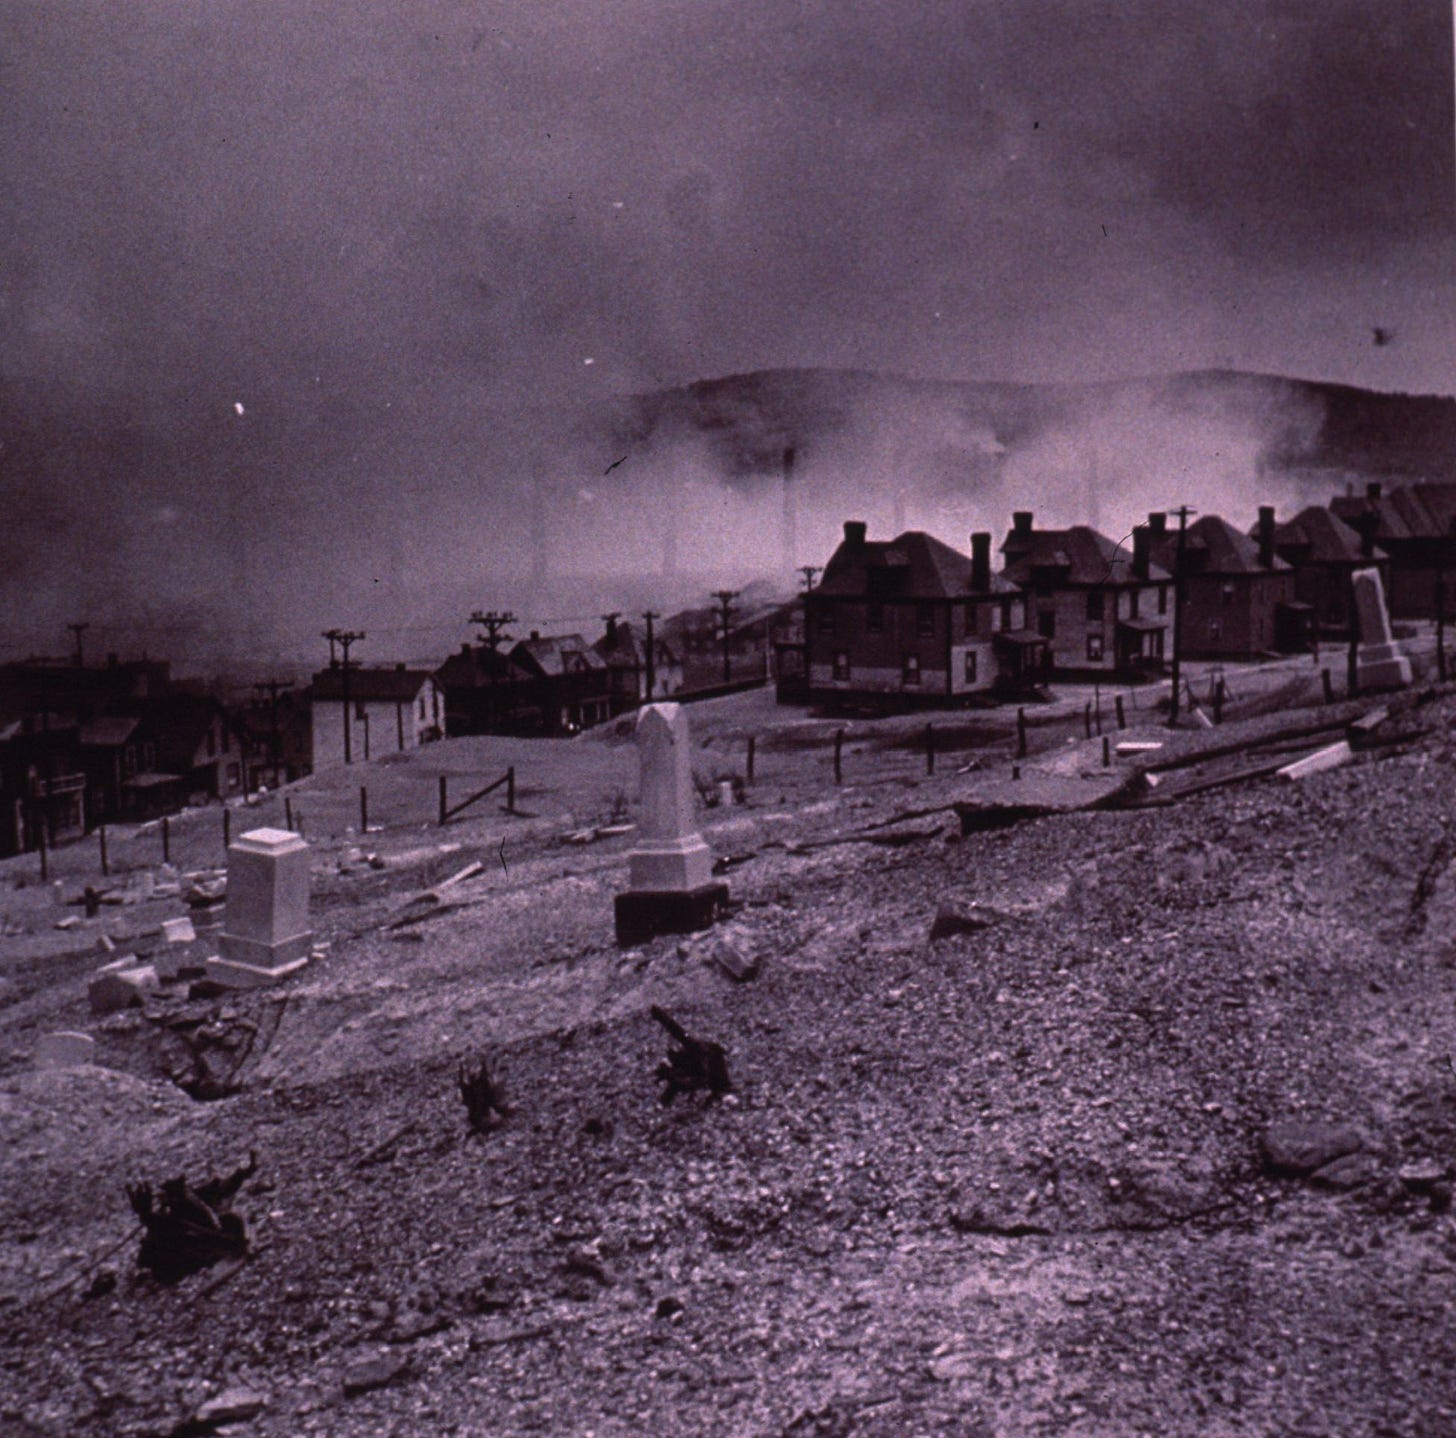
981	562
1158	523
854	532
1266	536
1021	521
1142	539
1365	526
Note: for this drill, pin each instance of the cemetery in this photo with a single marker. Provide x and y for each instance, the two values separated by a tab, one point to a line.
1106	1086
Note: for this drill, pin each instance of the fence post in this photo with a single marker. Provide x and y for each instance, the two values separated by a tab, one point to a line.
363	809
1106	751
227	827
40	835
288	813
1218	701
443	803
1121	712
752	740
1016	771
511	790
930	748
1087	719
1097	705
105	864
1021	733
1329	686
166	840
838	755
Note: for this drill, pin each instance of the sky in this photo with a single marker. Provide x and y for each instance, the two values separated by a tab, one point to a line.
268	269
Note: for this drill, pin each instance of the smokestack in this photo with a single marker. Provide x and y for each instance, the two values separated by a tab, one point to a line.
611	631
1158	523
788	529
980	562
1266	536
1021	521
1142	538
854	532
1365	526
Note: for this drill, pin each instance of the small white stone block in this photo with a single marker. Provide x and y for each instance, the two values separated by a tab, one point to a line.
121	985
64	1050
267	924
234	974
178	931
1330	757
1138	746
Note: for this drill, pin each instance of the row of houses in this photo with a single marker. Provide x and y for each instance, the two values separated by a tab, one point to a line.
912	620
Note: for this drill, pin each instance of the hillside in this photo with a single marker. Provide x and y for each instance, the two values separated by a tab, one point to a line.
1013	1180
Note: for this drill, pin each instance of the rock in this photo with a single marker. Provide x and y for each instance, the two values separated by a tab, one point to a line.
373	1373
1296	1147
958	919
121	985
735	956
1353	1170
178	931
232	1405
64	1050
1423	1173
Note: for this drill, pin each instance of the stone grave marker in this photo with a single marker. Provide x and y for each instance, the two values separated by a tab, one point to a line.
670	868
266	934
1379	664
121	985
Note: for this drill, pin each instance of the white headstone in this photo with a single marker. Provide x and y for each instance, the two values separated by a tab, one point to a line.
121	985
64	1050
266	932
1379	664
669	854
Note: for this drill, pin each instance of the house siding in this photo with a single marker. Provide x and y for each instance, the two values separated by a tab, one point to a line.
388	725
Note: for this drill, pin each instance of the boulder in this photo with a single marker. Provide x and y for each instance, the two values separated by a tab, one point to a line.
1296	1147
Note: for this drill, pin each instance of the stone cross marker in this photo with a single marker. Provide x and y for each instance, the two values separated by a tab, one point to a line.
1379	664
670	867
266	932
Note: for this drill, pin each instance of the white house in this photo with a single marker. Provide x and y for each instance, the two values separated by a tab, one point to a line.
362	713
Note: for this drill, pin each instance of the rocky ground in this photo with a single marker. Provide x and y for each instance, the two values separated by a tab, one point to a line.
1156	1137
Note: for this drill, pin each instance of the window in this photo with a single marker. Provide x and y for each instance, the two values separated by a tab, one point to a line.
841	666
1094	649
422	706
970	666
1215	628
1046	624
998	618
1226	595
1162	599
435	700
1013	613
1094	604
910	670
1132	604
875	619
826	619
925	620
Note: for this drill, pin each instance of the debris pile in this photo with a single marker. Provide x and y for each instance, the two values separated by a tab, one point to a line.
189	1228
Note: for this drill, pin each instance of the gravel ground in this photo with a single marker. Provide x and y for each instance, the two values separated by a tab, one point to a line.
1011	1181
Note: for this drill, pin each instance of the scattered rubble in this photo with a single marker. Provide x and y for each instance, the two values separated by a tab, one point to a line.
694	1064
189	1228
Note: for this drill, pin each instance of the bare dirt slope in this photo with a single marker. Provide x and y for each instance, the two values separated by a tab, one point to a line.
1010	1181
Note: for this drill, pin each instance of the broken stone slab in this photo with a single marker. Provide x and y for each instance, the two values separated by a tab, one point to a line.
1351	1170
372	1373
1332	756
952	918
1000	803
733	953
1294	1148
178	931
1423	1173
65	1049
121	985
1129	748
232	1405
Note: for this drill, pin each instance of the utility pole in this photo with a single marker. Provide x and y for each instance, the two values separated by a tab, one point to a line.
274	687
725	598
648	615
494	622
809	571
78	630
1183	512
345	638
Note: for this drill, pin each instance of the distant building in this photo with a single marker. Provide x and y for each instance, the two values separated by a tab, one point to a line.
1101	610
625	654
42	782
277	737
1324	552
485	692
1415	525
910	622
194	740
568	685
386	711
1238	594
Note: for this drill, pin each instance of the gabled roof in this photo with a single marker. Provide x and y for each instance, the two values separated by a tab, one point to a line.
1085	556
1323	538
914	565
1215	547
478	667
557	654
109	731
628	649
1413	511
398	685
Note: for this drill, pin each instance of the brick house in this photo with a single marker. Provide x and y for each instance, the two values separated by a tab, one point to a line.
1415	525
1238	594
910	622
1324	552
568	685
485	692
1101	610
386	710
